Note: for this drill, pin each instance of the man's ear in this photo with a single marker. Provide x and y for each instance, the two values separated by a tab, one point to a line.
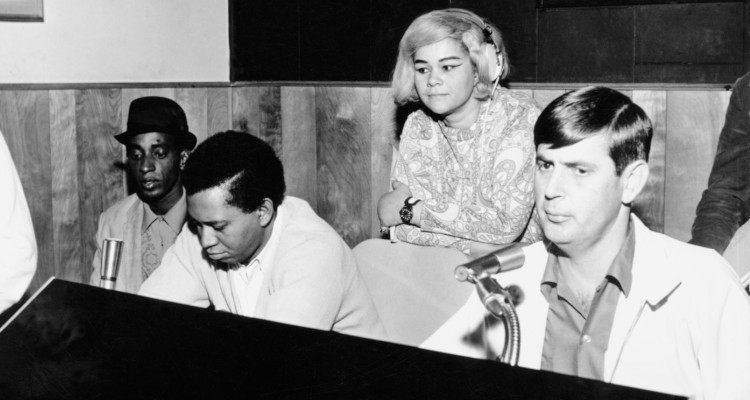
266	212
183	158
634	179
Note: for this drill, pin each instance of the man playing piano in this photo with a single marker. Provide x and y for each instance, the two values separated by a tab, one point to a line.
252	251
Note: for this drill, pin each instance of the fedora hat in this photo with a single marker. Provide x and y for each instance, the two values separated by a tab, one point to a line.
157	114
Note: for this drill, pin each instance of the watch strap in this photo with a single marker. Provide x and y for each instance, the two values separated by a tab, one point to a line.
411	201
407	211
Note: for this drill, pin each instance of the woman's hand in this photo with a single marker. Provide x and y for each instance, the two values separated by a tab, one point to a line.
390	204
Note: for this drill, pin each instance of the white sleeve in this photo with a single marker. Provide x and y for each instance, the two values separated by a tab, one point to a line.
17	241
723	354
177	278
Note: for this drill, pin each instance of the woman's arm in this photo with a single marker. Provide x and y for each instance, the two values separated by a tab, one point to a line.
503	202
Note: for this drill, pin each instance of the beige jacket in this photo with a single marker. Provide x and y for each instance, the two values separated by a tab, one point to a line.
123	220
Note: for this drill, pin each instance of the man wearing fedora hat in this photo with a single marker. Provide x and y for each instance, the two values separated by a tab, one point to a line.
157	142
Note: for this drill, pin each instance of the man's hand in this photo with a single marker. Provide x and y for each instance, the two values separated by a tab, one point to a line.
390	204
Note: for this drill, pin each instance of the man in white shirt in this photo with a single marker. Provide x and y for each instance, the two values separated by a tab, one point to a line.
17	240
252	251
605	297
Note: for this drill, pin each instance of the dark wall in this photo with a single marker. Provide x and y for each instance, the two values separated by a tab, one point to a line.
619	41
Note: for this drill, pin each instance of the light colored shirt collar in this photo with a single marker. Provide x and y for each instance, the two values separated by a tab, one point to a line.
247	280
271	244
174	218
620	271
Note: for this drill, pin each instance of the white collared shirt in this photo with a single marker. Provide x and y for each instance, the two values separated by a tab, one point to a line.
247	280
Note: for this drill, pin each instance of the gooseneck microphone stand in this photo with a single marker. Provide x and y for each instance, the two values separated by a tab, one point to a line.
498	300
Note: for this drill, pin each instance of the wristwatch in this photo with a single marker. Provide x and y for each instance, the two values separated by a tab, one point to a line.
407	211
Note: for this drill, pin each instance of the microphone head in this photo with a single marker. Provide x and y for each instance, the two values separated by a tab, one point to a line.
506	259
111	251
462	273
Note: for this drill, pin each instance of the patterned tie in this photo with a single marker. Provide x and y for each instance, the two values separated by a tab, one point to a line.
151	251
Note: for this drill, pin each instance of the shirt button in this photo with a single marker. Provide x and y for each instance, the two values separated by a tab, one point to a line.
586	339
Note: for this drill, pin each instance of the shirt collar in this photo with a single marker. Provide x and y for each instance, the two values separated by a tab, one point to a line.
272	241
620	271
174	218
550	276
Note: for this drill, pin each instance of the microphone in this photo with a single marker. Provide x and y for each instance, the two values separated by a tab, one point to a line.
492	295
498	300
111	249
503	260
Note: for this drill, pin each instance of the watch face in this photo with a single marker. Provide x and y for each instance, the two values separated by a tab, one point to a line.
406	214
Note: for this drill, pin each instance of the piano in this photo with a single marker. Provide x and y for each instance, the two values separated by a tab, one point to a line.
74	341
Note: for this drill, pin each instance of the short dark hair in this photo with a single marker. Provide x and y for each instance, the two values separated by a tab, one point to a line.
595	110
246	164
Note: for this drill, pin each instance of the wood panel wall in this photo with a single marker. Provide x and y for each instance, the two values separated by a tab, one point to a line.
335	143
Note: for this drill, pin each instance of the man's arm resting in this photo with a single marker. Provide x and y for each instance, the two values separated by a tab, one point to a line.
725	204
177	278
309	286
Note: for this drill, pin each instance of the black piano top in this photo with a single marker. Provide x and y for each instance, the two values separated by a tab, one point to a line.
74	341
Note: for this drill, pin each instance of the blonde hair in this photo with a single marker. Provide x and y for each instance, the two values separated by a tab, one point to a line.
474	34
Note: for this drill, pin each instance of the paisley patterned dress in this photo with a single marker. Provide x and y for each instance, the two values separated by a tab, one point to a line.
476	184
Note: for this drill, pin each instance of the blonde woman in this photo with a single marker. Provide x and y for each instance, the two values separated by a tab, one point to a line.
464	172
